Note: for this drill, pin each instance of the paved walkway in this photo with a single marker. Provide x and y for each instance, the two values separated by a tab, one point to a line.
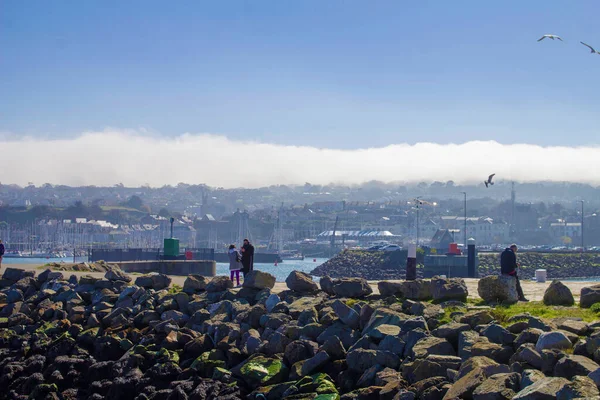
533	291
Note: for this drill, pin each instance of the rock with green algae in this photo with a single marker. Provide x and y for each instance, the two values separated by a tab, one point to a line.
221	374
328	396
273	392
42	390
205	364
320	383
263	371
164	355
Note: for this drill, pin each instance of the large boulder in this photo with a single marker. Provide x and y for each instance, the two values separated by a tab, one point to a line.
432	345
543	389
259	280
16	274
572	365
360	360
326	284
553	340
219	284
581	387
558	294
301	282
352	287
499	386
346	314
498	288
153	281
195	283
419	289
261	371
589	296
387	288
299	350
117	275
444	289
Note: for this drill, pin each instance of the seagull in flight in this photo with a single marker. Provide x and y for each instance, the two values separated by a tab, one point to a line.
591	48
550	37
489	180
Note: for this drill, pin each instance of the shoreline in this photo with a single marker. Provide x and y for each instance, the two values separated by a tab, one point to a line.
534	291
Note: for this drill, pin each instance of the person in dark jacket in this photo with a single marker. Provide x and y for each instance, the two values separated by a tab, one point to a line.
2	250
247	257
509	265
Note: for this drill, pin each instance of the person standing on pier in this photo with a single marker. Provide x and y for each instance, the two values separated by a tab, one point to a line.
235	264
247	257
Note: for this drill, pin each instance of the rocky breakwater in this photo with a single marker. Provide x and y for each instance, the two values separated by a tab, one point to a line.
120	338
557	265
371	265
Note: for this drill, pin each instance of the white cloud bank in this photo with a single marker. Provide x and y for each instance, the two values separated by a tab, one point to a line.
135	158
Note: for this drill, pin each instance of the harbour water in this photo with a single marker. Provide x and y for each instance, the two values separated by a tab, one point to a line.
41	261
281	271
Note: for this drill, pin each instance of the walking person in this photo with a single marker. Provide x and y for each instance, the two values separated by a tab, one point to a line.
2	250
509	265
235	264
247	257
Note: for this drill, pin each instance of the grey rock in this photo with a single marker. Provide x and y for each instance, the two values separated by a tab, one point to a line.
432	346
498	334
572	365
444	289
553	340
581	387
259	280
334	347
314	364
498	387
153	281
346	314
419	289
498	288
219	284
271	302
195	283
359	360
326	284
546	388
589	296
301	282
530	376
558	294
117	275
387	288
352	287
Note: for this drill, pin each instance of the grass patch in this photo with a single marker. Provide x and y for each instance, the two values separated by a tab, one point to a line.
503	313
175	288
447	312
351	302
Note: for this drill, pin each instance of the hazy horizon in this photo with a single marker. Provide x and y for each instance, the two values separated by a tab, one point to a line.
137	158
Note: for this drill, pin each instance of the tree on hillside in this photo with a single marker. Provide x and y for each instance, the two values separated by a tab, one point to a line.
134	202
163	212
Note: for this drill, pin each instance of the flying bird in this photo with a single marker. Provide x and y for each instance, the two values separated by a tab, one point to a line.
591	48
549	37
489	180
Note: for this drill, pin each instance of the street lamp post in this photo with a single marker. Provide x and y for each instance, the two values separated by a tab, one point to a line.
582	220
418	202
465	210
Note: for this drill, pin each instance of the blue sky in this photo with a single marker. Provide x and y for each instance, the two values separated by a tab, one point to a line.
326	74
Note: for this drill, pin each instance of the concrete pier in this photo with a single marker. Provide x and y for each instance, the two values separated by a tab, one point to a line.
171	267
